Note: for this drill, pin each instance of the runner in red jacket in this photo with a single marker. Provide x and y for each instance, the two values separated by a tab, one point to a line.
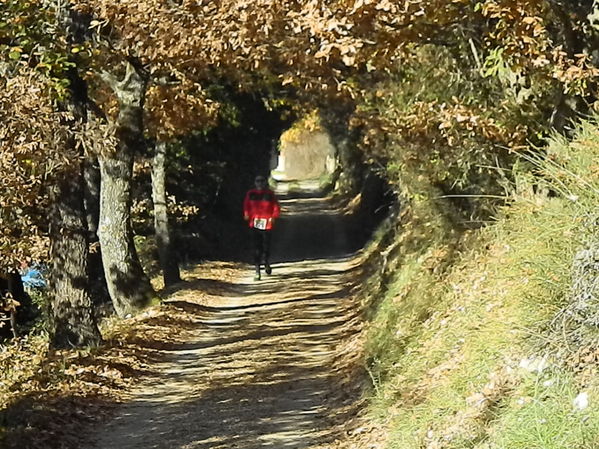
260	209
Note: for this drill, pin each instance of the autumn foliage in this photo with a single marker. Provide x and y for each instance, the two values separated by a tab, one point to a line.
449	89
444	99
31	155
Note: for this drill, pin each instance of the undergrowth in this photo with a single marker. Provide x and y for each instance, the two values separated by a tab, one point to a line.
465	346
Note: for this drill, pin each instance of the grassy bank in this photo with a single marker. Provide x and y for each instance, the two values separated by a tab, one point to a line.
469	340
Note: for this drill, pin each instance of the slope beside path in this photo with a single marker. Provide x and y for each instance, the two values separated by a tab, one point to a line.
262	365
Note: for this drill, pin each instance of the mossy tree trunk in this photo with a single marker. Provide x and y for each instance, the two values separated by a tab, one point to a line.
128	285
168	260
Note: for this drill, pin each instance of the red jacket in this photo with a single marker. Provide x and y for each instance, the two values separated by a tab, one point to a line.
260	208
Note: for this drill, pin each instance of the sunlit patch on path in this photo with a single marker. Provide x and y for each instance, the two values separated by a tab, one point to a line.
257	370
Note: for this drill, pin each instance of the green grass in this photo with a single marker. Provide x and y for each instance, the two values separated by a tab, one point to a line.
541	415
460	312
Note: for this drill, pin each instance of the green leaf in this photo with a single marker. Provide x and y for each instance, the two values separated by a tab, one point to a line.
14	55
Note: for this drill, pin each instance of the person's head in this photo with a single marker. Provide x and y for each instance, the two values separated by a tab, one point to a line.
260	182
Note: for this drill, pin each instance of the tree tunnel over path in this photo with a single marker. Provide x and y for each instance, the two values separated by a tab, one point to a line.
451	102
261	364
214	171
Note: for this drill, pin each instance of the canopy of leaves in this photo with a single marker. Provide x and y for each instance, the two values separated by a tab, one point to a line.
504	62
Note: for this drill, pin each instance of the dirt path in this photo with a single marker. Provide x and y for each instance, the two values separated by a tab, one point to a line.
258	369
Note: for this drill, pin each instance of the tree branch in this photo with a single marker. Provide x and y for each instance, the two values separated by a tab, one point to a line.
109	79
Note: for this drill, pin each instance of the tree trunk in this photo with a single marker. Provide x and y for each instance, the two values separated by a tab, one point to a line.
91	176
72	318
168	261
17	291
128	285
344	139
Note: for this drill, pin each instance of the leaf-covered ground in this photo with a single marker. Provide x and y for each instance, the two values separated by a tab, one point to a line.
225	362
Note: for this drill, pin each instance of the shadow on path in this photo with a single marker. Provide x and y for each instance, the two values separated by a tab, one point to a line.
258	371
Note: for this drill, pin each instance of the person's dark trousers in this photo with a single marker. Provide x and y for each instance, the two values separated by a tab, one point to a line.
261	248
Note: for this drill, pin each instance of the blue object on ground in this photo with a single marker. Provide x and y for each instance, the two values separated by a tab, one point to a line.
33	278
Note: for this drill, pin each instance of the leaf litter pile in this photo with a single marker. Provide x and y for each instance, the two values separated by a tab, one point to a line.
47	395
